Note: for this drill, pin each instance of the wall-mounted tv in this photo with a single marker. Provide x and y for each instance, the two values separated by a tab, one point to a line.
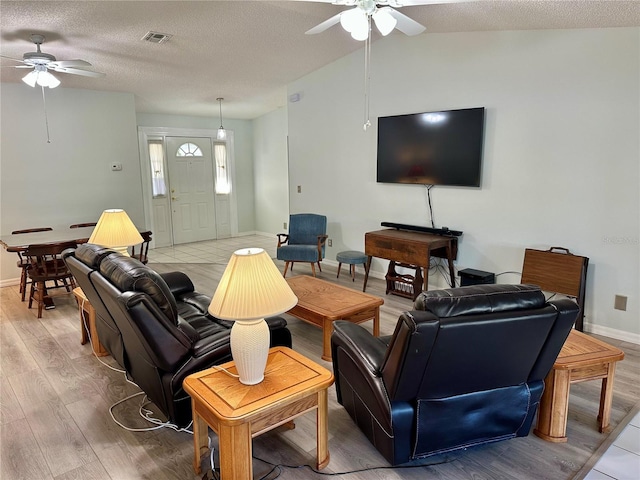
432	148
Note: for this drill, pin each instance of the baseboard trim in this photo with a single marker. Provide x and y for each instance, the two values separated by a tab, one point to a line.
612	333
9	282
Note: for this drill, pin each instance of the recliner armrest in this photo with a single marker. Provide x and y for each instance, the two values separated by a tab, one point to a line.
354	338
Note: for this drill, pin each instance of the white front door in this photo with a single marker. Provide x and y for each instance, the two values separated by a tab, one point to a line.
191	189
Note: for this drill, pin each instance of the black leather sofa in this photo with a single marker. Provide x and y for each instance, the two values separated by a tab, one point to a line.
465	367
156	326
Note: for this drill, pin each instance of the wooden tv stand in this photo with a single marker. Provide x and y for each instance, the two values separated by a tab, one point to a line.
415	248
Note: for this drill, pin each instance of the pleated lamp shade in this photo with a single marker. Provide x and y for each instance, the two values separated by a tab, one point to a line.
250	289
115	230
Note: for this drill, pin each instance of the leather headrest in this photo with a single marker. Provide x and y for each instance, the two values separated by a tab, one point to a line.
128	274
479	299
91	255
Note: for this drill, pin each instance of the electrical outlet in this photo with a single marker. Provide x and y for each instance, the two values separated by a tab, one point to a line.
620	303
284	225
330	242
299	188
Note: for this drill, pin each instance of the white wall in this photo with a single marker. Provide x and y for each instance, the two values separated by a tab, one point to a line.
243	155
561	154
271	173
68	180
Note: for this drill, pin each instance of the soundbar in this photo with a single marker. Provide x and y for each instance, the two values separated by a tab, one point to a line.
417	228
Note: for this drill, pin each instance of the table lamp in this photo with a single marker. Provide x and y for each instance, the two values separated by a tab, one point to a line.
115	230
250	289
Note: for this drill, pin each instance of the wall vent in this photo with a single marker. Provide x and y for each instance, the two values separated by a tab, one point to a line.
156	37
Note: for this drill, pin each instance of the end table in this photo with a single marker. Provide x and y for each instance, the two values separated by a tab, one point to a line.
292	385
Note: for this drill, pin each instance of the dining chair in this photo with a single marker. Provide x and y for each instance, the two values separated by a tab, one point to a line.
45	265
23	263
140	253
80	225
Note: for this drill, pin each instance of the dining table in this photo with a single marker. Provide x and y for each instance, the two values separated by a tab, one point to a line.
18	243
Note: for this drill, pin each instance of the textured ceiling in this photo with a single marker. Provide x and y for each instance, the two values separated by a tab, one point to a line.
244	51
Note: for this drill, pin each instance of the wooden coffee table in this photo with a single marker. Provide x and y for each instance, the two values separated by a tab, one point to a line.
320	303
582	358
292	385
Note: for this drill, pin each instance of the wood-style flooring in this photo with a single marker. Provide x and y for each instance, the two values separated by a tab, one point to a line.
55	399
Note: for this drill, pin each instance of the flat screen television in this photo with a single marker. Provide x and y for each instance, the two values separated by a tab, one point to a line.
431	148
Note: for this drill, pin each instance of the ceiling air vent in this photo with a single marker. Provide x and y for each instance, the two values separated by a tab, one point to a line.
156	37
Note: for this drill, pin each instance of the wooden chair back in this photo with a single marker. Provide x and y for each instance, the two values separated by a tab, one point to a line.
557	270
140	252
31	230
80	225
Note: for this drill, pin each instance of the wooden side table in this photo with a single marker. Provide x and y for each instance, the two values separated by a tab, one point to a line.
85	307
582	358
292	385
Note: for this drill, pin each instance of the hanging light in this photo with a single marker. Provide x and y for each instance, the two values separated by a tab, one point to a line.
41	76
222	133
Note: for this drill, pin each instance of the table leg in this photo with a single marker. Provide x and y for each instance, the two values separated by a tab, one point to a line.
322	432
366	272
235	452
425	281
452	274
606	398
376	323
327	329
200	438
554	407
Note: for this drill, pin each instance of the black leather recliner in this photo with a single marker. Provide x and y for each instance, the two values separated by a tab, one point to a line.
157	325
466	367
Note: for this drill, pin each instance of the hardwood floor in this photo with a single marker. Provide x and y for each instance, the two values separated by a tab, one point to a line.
55	399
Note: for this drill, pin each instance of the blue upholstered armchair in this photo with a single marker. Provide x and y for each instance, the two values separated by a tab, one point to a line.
304	242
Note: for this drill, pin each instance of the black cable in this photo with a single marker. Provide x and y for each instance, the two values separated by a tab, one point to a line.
332	474
429	187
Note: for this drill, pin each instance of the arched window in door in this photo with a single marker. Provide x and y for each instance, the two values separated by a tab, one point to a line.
189	150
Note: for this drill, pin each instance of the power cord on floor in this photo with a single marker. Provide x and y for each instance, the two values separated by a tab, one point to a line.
280	466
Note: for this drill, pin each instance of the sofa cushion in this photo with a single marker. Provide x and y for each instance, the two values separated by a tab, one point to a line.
128	274
479	299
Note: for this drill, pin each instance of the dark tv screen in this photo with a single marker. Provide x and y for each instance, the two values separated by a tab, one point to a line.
431	148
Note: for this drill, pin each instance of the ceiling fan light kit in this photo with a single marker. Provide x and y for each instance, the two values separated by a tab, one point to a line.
41	76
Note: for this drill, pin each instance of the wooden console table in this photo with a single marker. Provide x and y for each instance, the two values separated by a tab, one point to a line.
415	248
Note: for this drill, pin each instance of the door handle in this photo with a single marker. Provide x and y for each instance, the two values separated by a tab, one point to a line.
174	198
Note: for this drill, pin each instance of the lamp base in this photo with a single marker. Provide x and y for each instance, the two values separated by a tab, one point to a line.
249	349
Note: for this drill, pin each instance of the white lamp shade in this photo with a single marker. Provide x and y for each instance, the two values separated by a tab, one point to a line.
115	230
251	288
222	133
353	19
42	77
384	21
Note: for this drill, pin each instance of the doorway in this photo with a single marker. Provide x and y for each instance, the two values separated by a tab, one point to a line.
197	202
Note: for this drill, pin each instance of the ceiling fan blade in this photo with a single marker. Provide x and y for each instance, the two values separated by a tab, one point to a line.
78	71
69	63
406	25
325	25
11	58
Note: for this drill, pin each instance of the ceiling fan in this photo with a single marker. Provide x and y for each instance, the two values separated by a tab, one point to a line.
41	62
357	20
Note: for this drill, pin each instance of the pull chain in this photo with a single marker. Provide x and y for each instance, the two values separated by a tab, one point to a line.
367	77
46	119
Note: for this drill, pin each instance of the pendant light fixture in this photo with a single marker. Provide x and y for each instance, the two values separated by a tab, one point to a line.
222	133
